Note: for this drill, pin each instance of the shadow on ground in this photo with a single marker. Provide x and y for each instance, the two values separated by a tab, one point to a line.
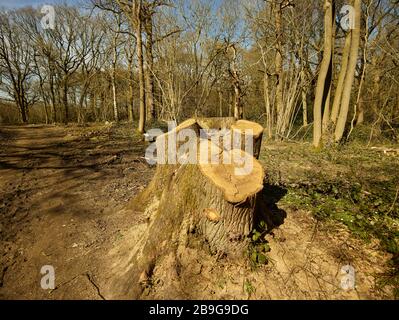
268	209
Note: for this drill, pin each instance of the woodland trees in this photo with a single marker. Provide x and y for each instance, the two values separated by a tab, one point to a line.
324	79
16	64
287	64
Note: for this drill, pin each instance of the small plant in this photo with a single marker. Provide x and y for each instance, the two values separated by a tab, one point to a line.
249	288
259	246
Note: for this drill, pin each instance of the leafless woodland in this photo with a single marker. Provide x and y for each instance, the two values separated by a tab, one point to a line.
82	84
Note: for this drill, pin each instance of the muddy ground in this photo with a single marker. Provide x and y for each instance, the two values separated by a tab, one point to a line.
62	194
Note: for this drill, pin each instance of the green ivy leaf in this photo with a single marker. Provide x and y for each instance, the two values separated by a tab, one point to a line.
266	247
262	259
256	236
254	256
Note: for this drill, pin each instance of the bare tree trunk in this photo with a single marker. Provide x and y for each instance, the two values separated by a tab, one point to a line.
341	79
304	100
131	102
53	108
137	8
359	104
326	114
236	81
329	81
231	104
82	99
113	77
269	119
115	103
322	82
131	89
103	97
220	95
94	106
24	114
350	76
65	100
52	96
238	109
22	109
358	113
150	68
278	61
360	116
45	103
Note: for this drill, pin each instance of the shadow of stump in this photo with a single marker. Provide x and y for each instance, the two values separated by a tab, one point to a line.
268	210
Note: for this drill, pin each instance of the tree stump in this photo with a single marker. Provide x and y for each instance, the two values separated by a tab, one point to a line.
213	201
241	126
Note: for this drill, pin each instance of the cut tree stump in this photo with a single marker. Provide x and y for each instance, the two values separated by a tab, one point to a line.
203	200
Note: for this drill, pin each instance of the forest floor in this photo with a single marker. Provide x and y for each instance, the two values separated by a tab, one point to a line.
63	190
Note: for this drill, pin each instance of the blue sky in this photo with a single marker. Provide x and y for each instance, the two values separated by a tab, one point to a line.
33	3
8	4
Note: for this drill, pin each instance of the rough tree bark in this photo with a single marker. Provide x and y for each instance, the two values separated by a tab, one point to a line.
278	61
137	9
22	109
130	68
329	82
304	99
341	79
65	100
350	76
203	203
113	71
150	66
236	82
266	97
323	81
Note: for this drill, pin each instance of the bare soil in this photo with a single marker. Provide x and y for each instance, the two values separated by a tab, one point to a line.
63	190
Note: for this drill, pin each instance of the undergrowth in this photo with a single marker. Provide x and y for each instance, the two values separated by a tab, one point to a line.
353	184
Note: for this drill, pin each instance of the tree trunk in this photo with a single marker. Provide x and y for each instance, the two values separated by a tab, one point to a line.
323	82
255	135
23	115
266	98
131	90
359	104
150	69
101	112
360	115
220	96
238	109
304	100
46	112
52	95
137	4
236	82
278	61
114	98
329	82
350	76
211	206
22	110
341	79
326	114
113	73
65	101
230	100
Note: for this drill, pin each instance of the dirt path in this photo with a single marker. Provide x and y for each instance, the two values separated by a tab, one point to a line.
59	190
62	191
